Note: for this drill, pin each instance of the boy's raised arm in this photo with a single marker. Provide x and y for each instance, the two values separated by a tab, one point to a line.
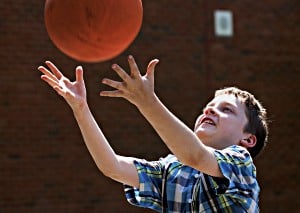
181	140
112	165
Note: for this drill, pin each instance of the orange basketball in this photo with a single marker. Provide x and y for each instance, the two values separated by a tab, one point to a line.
93	30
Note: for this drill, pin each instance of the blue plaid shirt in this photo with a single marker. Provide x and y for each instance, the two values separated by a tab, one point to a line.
189	190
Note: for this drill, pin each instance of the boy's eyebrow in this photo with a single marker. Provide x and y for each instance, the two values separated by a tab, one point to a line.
221	103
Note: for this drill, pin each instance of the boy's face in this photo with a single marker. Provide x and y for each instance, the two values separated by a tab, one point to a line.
222	122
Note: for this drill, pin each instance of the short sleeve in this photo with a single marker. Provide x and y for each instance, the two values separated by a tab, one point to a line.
237	167
148	195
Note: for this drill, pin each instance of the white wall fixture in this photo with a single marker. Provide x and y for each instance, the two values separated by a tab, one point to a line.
223	23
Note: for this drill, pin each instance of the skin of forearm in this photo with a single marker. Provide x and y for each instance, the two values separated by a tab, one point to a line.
102	153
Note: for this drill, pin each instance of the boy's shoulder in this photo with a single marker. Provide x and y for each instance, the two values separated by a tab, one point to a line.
235	161
234	152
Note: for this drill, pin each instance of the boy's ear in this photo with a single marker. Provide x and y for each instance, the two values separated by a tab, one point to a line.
249	142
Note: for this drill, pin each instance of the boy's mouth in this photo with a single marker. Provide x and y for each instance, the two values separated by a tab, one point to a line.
207	120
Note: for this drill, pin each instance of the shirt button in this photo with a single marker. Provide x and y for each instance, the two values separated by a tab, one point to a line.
190	200
196	176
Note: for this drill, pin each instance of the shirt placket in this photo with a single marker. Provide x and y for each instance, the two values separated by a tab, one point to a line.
195	192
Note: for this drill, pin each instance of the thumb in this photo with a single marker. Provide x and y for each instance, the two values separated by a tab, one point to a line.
79	74
151	68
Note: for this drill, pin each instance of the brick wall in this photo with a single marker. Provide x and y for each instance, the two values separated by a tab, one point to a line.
44	164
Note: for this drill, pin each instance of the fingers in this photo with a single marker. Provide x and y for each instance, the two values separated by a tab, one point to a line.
54	69
54	75
47	73
50	81
52	78
151	66
59	90
150	70
130	84
79	74
121	73
114	94
135	73
114	84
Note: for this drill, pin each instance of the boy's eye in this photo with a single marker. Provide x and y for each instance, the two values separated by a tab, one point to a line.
227	109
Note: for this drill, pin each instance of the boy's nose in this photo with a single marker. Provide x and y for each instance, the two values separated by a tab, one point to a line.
209	111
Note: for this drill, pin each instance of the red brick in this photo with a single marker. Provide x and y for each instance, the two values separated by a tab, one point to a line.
45	166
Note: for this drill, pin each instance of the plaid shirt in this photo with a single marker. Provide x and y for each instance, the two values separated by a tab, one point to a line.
189	190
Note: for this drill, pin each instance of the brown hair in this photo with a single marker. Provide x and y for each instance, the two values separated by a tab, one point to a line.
256	114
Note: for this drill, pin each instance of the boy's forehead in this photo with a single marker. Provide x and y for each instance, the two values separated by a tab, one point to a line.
225	98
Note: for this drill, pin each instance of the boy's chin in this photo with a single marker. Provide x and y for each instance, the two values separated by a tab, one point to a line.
205	138
203	135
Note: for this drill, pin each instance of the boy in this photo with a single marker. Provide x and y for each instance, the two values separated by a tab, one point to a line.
211	169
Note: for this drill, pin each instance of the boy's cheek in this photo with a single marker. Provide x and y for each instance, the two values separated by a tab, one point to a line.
197	123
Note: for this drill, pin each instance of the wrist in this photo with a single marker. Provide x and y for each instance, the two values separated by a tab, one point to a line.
148	104
80	109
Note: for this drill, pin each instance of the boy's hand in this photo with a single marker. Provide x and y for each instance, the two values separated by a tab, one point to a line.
137	89
73	92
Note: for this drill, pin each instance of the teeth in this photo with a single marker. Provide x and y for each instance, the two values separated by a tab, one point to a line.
209	122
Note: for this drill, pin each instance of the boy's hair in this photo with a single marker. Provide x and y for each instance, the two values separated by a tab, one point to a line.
256	114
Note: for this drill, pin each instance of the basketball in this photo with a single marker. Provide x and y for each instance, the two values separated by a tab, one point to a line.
93	30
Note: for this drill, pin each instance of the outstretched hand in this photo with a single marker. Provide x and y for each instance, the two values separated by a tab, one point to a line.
73	92
135	88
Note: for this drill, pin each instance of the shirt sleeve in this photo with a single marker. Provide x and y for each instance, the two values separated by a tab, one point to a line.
237	167
148	195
